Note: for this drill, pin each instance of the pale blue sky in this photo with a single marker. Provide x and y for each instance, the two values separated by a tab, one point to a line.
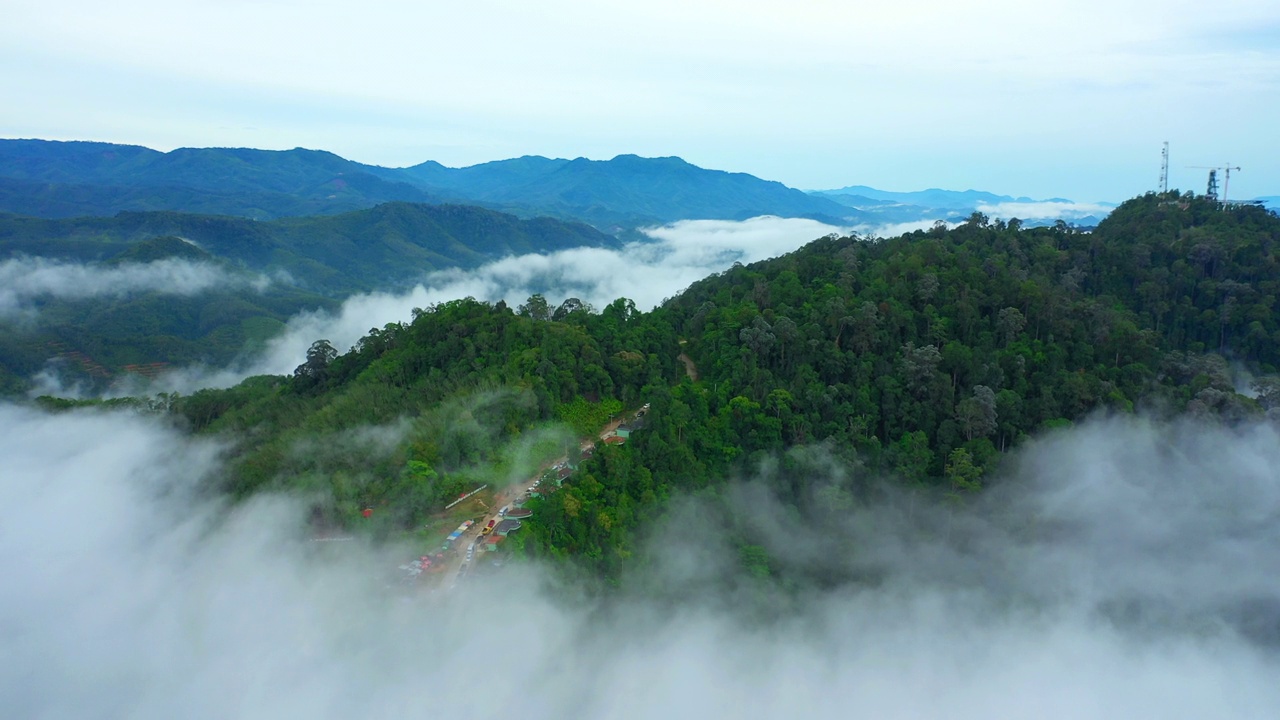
1067	98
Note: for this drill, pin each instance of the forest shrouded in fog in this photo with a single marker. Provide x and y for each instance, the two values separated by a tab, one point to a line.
966	471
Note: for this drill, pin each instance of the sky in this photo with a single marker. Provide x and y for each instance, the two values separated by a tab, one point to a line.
1128	570
1050	99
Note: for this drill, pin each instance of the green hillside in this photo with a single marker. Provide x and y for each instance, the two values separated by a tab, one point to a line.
924	359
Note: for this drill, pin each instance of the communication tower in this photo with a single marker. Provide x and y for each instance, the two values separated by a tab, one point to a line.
1212	191
1164	168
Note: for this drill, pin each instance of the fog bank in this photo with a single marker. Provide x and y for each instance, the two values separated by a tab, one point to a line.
24	281
131	595
1046	210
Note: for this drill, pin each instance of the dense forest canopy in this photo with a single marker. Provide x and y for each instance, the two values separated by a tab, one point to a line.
924	358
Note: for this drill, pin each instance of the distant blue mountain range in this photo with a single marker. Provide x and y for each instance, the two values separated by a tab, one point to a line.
67	179
74	179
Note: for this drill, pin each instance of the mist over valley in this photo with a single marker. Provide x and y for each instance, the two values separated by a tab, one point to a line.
1123	567
639	360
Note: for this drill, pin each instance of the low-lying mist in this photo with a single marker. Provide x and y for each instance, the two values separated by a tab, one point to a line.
1119	569
1046	210
24	281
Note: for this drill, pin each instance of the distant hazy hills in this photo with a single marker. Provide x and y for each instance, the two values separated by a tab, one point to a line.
858	195
882	207
334	254
71	179
627	191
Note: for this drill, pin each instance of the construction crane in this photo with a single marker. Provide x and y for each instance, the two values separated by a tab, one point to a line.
1212	191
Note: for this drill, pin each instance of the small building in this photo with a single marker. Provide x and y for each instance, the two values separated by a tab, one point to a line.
615	440
506	526
491	542
625	430
519	513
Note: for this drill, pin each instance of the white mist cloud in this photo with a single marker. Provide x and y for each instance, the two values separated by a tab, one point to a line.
645	272
24	281
891	230
128	595
1045	210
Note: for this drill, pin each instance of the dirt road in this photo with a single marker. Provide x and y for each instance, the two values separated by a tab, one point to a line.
689	368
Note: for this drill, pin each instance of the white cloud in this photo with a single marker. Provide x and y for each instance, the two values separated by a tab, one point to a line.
891	230
1129	572
27	280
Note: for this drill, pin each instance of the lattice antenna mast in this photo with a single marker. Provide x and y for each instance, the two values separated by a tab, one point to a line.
1164	168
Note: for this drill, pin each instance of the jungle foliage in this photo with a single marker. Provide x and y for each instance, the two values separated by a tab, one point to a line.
456	389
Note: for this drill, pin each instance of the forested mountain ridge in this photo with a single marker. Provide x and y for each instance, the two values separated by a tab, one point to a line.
922	358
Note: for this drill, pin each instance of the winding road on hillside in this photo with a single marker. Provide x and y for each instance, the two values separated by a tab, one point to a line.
458	562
